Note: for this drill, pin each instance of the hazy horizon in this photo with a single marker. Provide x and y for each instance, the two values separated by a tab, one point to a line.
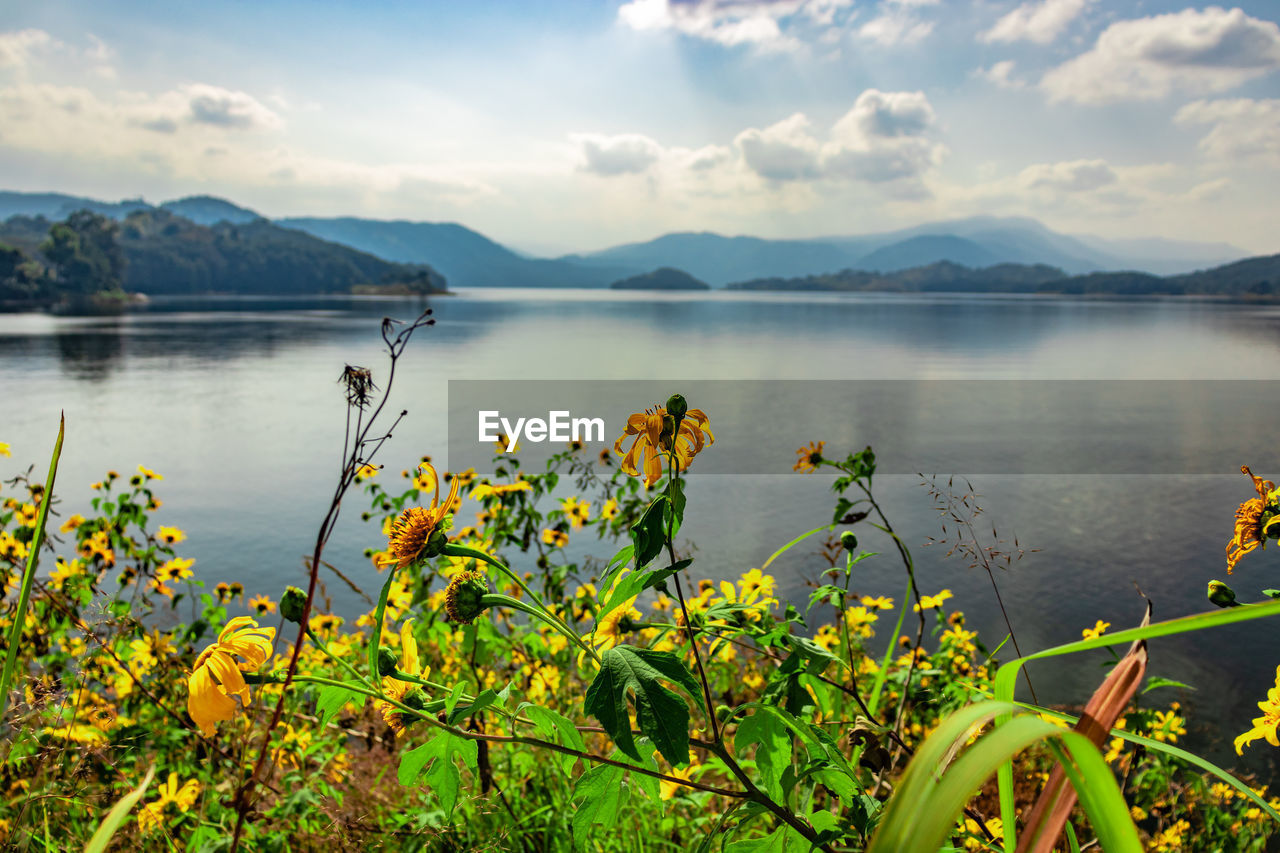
583	125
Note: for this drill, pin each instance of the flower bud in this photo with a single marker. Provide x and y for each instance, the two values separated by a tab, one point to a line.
723	713
464	597
292	603
1222	595
387	661
677	406
849	540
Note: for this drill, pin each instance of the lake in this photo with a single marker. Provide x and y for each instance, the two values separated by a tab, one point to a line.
237	404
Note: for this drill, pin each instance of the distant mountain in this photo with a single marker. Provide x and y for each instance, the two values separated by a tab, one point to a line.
209	210
664	278
939	277
465	257
60	206
928	249
719	260
1251	279
167	254
977	242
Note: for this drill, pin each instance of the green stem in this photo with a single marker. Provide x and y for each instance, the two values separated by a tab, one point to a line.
324	648
497	599
888	654
375	642
29	574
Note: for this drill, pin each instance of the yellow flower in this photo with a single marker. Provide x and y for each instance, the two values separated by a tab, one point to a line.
1096	631
395	689
655	440
668	790
932	602
611	627
177	569
26	515
1264	726
879	602
809	457
555	538
755	584
578	512
4	449
1251	530
411	533
216	677
72	523
262	604
364	472
184	797
148	473
170	535
78	733
610	510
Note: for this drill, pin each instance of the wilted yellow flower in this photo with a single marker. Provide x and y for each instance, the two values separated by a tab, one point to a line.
1264	726
932	602
656	439
412	532
216	677
809	458
1251	530
485	490
394	688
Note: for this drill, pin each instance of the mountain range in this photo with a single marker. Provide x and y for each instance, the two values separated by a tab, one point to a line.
467	258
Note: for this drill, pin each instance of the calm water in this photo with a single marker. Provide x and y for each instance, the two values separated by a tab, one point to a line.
237	405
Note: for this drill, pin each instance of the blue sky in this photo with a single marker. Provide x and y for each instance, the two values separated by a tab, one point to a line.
562	126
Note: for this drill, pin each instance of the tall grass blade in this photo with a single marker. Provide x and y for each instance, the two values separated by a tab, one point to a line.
102	836
29	574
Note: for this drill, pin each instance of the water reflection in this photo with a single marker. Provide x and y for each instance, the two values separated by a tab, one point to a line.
90	352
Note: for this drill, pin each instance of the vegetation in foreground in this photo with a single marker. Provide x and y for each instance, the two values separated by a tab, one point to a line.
498	694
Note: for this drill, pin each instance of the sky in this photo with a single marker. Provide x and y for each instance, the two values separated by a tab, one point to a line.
571	126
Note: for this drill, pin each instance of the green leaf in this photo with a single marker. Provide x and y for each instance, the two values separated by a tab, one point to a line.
661	714
451	701
603	796
616	564
486	698
647	534
548	724
434	761
331	700
1271	593
775	842
773	748
1156	682
677	503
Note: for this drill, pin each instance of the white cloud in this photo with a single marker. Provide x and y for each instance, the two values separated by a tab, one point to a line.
1241	128
1069	177
225	108
886	136
786	151
1199	52
1000	74
1038	22
898	23
624	154
18	47
764	24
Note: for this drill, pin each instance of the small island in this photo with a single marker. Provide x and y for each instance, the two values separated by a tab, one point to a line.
663	278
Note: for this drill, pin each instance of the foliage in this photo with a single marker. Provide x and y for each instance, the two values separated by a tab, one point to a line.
578	702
